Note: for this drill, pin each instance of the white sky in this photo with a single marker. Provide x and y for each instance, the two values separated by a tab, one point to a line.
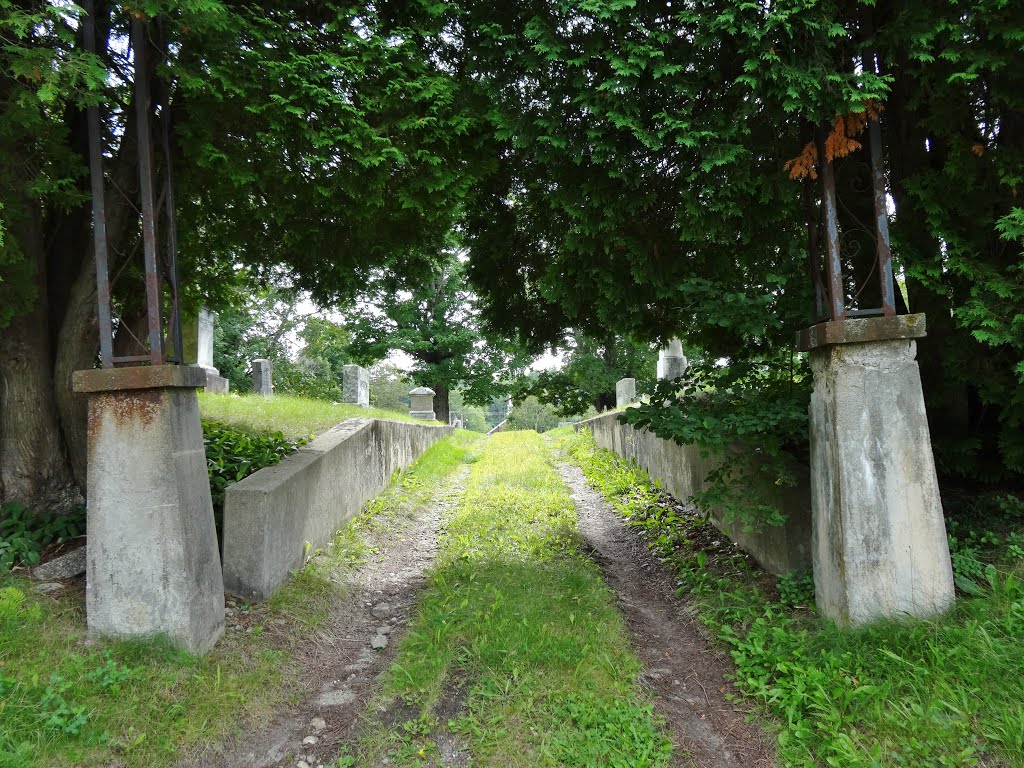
399	359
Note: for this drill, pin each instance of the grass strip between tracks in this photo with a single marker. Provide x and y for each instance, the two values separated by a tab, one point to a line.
518	655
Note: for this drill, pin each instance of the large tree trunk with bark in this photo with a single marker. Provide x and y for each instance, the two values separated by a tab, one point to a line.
77	343
33	465
441	409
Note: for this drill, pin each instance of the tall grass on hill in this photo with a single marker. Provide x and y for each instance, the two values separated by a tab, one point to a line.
293	416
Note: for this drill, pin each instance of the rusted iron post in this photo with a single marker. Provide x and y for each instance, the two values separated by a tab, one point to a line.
177	354
881	220
833	262
99	213
811	213
145	150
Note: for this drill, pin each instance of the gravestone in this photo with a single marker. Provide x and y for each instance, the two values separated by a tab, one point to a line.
878	534
262	377
152	562
625	392
671	361
355	386
197	342
421	403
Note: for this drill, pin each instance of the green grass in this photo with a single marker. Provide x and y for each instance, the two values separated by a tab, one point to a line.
64	702
307	596
948	692
68	701
293	416
517	621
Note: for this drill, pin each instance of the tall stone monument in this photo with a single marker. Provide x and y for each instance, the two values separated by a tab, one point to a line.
625	392
879	538
421	403
262	377
671	361
197	340
355	386
152	565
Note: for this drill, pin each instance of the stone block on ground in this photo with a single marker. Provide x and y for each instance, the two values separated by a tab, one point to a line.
216	383
421	403
72	563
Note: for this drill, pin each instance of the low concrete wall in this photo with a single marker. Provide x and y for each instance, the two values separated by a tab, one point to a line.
683	471
271	515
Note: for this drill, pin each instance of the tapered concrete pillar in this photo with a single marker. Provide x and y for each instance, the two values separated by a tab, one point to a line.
153	566
879	537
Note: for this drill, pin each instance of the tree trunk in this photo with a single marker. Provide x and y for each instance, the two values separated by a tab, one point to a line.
441	412
77	343
33	467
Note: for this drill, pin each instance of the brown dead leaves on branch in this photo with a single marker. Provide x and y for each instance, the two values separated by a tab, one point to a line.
841	141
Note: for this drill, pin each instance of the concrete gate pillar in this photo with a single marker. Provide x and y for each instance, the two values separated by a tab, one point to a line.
153	566
879	538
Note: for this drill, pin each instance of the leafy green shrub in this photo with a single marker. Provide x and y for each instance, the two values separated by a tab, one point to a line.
24	535
761	404
796	588
233	454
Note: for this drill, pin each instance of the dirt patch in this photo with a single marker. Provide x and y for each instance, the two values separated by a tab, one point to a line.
342	662
685	672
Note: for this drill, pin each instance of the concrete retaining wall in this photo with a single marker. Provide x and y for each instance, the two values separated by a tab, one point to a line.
682	471
271	515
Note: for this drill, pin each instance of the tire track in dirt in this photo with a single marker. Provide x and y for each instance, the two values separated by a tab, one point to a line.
685	673
341	666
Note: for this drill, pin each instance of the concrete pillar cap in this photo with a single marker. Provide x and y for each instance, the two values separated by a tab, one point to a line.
138	377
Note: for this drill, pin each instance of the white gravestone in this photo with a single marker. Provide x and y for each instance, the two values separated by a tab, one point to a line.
671	361
262	377
356	386
421	403
625	392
